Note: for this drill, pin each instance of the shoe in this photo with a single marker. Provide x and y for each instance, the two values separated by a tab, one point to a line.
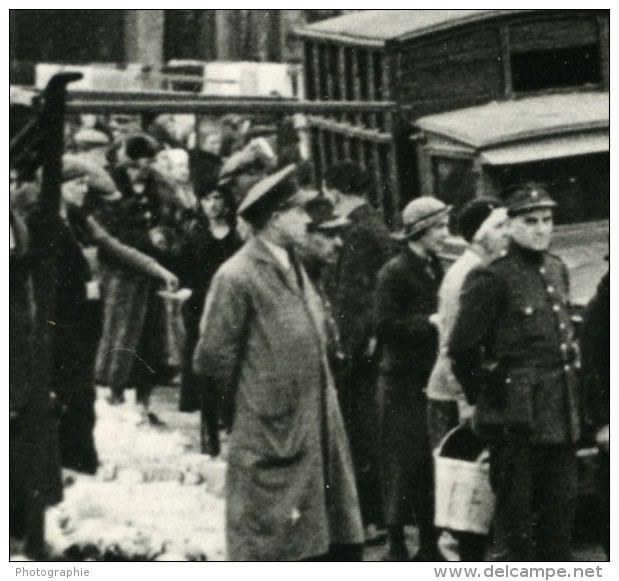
396	555
209	441
423	556
374	536
154	420
116	399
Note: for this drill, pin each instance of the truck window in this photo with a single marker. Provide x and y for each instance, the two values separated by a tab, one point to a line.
454	181
554	54
580	185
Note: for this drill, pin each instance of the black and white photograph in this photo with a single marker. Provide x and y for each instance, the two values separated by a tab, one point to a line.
315	285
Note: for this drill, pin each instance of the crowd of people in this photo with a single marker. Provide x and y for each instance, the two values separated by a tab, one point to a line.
336	354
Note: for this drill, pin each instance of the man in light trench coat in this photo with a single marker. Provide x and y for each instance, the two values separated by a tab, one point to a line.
290	489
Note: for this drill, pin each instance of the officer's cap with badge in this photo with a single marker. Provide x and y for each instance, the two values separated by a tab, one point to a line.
527	198
268	195
323	216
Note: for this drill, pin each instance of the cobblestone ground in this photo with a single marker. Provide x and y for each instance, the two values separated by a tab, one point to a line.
156	497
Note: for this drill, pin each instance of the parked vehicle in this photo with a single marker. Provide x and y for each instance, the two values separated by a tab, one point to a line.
481	98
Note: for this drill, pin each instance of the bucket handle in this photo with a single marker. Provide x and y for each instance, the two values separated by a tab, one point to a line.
483	458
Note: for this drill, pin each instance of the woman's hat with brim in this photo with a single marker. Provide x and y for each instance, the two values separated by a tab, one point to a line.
87	137
419	215
99	181
73	167
269	193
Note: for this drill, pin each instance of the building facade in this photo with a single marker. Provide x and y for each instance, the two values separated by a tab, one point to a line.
154	37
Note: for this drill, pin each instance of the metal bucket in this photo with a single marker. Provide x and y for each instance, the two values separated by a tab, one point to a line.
464	500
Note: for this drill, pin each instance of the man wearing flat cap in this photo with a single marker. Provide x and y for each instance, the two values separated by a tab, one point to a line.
514	354
406	298
264	345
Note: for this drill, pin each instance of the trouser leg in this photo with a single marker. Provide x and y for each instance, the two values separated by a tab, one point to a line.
555	493
345	552
356	388
209	422
603	491
511	479
471	547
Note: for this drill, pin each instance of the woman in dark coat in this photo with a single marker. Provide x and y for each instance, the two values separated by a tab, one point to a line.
406	298
131	344
211	241
72	363
34	461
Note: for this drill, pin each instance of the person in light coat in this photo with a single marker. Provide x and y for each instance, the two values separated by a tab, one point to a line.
290	490
483	225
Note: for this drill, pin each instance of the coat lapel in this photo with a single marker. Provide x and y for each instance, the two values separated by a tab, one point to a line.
260	252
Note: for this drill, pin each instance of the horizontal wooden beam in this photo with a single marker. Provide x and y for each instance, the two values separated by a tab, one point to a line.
205	106
153	95
349	130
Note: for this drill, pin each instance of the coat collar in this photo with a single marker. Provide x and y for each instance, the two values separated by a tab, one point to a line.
260	252
431	265
533	257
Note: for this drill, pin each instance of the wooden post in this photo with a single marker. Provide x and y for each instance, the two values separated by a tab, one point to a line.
332	68
318	79
341	66
506	61
225	29
376	166
208	35
356	82
144	32
388	69
604	40
44	233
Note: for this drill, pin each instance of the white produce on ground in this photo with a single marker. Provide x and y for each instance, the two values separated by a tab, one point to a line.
152	498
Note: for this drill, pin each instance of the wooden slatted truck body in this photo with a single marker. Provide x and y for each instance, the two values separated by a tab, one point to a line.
481	98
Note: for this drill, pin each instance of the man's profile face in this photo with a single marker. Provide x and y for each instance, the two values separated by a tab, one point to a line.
292	223
323	246
532	230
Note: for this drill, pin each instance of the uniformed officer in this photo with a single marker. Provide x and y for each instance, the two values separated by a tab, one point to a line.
513	353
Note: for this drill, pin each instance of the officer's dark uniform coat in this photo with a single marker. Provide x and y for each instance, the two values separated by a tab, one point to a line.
513	352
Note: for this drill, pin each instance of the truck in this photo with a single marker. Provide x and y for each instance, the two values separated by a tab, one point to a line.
481	99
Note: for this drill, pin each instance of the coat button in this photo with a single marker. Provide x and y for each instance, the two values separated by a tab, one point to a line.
551	289
542	270
528	311
566	368
563	347
556	308
562	326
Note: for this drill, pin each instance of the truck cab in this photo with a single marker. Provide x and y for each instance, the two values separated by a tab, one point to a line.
479	100
561	141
